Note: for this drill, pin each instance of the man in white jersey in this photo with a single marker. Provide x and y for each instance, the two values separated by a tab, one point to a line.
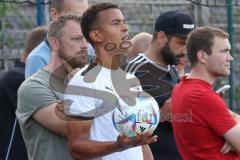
94	92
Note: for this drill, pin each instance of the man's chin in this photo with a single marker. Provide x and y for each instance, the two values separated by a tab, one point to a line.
228	73
224	74
78	63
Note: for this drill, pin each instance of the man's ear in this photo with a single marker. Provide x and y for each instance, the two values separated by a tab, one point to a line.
202	56
96	36
53	14
161	37
54	44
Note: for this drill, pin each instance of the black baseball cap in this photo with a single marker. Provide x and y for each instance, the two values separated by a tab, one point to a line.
174	23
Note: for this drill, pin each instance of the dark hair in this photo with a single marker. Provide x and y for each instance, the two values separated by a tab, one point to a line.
90	18
156	33
202	38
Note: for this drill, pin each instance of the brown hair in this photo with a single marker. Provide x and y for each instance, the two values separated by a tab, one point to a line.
56	26
34	38
202	38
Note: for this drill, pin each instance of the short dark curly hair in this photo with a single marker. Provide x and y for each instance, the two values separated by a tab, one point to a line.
90	18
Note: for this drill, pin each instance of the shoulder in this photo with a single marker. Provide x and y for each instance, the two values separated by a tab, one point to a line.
35	93
12	77
211	96
40	51
26	86
35	83
83	81
80	94
210	102
79	77
135	63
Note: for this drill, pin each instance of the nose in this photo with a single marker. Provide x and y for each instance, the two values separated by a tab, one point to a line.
84	44
124	27
229	57
184	50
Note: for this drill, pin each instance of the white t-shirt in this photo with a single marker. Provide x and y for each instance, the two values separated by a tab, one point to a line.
88	90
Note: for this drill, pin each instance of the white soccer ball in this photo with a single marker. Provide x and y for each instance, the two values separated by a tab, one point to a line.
137	119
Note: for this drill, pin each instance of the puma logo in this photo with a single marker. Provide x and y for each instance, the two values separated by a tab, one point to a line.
108	88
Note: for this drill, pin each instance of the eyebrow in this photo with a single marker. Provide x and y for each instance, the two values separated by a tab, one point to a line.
76	35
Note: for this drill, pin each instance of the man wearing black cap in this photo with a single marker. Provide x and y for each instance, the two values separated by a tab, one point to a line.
158	75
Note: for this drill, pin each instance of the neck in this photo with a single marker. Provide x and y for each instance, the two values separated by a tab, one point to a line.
106	59
201	73
153	54
56	66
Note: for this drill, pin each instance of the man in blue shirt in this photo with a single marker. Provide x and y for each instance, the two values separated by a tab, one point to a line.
40	56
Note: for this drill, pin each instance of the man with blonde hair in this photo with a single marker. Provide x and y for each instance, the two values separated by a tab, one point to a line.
43	131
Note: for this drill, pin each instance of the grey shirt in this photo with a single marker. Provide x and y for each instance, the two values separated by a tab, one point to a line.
34	94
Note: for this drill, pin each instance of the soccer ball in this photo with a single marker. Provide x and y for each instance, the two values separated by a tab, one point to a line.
137	119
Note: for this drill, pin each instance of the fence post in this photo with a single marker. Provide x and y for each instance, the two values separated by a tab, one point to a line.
40	13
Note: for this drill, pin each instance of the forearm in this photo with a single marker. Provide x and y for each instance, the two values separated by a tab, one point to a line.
88	149
147	153
50	119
